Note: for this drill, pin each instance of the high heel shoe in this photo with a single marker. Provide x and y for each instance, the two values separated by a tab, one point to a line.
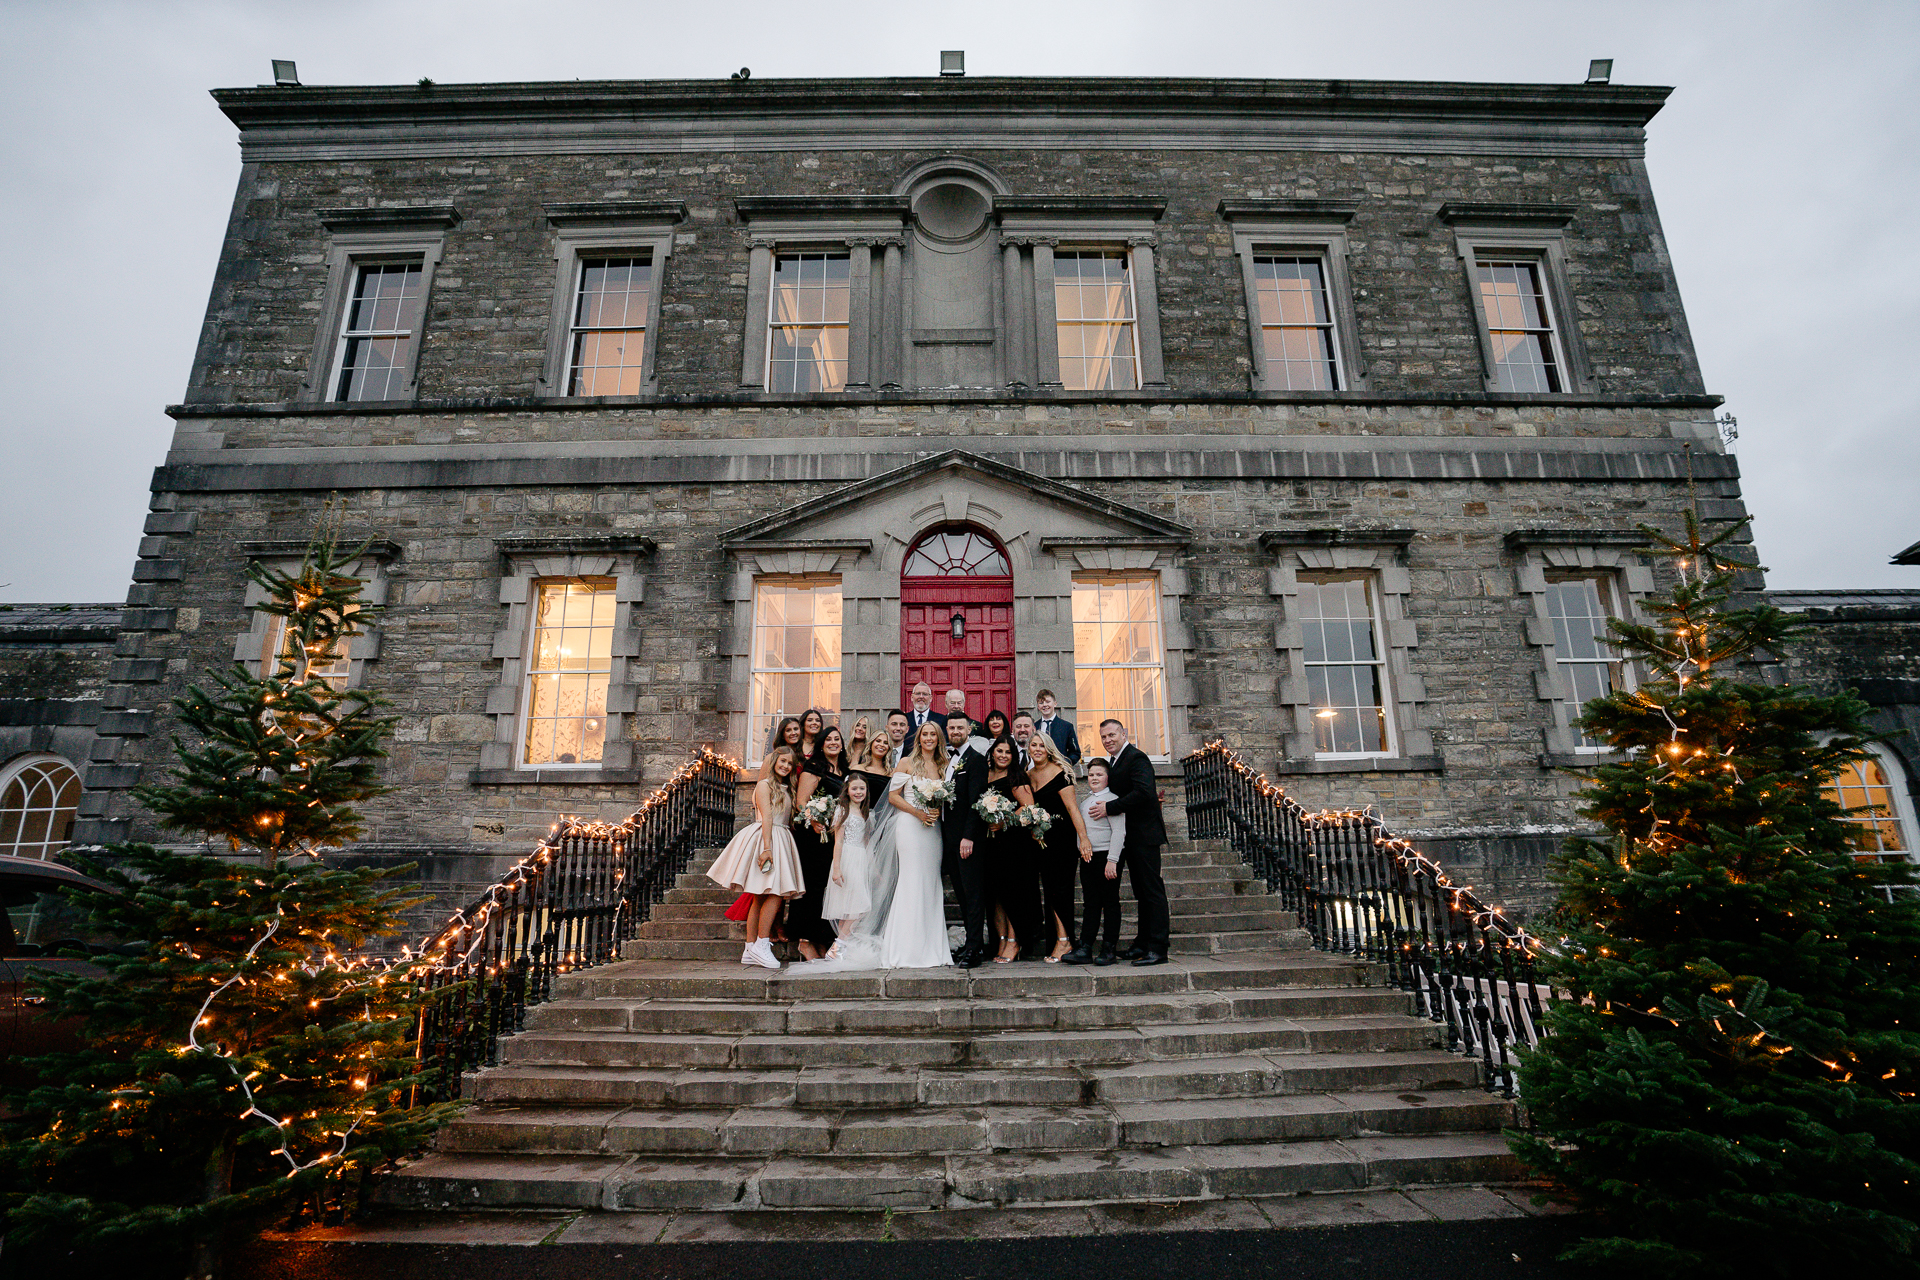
1005	944
1060	948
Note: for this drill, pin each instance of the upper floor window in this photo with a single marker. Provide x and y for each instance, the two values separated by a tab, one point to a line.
1297	335
1293	261
569	665
39	798
332	664
1119	660
606	353
796	652
381	331
1094	311
810	310
1346	665
1519	320
1580	606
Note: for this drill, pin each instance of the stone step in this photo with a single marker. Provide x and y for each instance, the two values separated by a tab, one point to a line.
449	1180
1255	1075
772	1130
868	1016
639	980
1041	1048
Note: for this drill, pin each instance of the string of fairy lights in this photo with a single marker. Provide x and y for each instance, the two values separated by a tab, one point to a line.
436	954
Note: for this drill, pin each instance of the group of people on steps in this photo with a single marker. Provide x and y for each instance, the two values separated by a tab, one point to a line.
856	882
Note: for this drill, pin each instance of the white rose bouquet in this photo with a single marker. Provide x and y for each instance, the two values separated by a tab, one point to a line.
996	809
1036	820
930	795
816	810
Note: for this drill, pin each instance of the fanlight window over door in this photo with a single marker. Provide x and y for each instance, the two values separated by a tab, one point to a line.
956	553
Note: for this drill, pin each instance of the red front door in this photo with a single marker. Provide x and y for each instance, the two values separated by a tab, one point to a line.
981	661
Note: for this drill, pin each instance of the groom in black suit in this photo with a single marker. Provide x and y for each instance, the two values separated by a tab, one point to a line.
966	871
1130	778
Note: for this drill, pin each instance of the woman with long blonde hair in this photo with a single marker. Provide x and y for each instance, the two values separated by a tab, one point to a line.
762	859
1065	845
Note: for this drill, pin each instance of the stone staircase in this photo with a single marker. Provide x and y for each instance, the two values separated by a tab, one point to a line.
1248	1066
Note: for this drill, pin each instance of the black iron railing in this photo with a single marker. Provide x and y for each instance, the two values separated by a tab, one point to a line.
1362	891
567	905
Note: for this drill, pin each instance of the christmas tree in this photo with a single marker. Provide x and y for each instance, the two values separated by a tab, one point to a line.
238	1054
1732	1089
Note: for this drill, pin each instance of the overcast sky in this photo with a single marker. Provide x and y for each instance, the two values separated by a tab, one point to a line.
1785	167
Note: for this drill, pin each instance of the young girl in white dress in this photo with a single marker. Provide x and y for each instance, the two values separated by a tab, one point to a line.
849	885
762	859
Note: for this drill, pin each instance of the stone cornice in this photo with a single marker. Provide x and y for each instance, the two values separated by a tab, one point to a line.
807	208
1302	210
573	544
1074	208
1275	539
1459	213
1522	539
381	549
589	213
389	217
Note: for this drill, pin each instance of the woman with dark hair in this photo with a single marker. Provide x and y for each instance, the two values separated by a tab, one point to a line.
1013	859
997	726
785	734
824	774
813	723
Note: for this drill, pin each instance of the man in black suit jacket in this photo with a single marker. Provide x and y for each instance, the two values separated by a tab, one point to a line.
1130	778
966	871
922	712
1048	720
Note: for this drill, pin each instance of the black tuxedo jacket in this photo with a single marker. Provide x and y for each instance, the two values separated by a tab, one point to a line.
1137	795
935	717
969	780
1061	731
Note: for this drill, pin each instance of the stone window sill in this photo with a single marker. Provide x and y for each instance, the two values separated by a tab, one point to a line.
1579	759
553	777
1381	764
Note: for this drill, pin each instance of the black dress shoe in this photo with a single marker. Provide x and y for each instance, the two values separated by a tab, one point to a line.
967	958
1150	957
1079	955
1133	952
1106	958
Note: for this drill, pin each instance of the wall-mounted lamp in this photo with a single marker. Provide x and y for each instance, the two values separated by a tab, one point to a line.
959	625
1327	714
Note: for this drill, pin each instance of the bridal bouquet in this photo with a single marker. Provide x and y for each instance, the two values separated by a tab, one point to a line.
816	810
995	808
1036	820
930	795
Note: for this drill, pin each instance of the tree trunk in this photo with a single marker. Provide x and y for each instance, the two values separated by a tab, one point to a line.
206	1241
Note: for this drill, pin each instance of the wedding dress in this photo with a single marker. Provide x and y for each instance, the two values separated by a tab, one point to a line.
905	926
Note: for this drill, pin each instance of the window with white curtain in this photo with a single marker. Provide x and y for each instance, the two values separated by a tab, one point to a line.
1119	660
796	652
569	665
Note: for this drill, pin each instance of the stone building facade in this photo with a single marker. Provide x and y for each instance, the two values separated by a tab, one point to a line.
1317	416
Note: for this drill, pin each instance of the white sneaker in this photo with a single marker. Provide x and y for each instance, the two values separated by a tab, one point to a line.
762	952
746	956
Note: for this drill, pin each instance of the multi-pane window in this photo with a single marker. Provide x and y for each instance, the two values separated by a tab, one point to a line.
807	322
39	797
331	665
606	353
1345	665
1119	669
1296	323
796	651
381	330
1589	667
1519	320
569	664
1094	311
1865	792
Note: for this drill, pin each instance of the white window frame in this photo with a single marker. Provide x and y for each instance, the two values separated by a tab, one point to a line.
370	237
770	324
755	734
1263	230
872	232
583	232
1612	605
1538	238
1131	324
1389	729
251	647
531	677
1162	750
37	759
1031	230
1564	551
1899	791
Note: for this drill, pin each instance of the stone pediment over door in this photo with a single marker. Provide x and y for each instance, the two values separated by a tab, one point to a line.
1051	531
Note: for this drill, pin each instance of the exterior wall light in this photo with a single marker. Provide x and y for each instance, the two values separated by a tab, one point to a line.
959	625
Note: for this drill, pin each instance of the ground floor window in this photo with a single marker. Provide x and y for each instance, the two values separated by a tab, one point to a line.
796	653
1346	666
1119	661
39	796
569	664
1875	806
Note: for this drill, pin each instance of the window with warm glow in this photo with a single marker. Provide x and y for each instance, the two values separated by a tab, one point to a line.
1519	320
1589	667
331	664
796	652
1094	312
1346	666
1296	323
382	326
569	664
808	321
1119	667
1865	790
39	797
607	350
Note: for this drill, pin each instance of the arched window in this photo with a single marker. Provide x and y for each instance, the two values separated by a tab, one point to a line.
1873	791
39	795
956	552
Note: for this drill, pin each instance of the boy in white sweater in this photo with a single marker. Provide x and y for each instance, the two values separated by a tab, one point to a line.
1100	874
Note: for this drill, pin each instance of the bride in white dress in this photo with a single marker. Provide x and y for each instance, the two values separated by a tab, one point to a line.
905	926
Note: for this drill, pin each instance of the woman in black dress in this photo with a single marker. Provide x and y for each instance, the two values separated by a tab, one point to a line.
824	774
1065	843
1013	872
813	724
876	761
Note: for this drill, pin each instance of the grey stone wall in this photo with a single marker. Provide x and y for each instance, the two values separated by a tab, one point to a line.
1874	651
493	292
